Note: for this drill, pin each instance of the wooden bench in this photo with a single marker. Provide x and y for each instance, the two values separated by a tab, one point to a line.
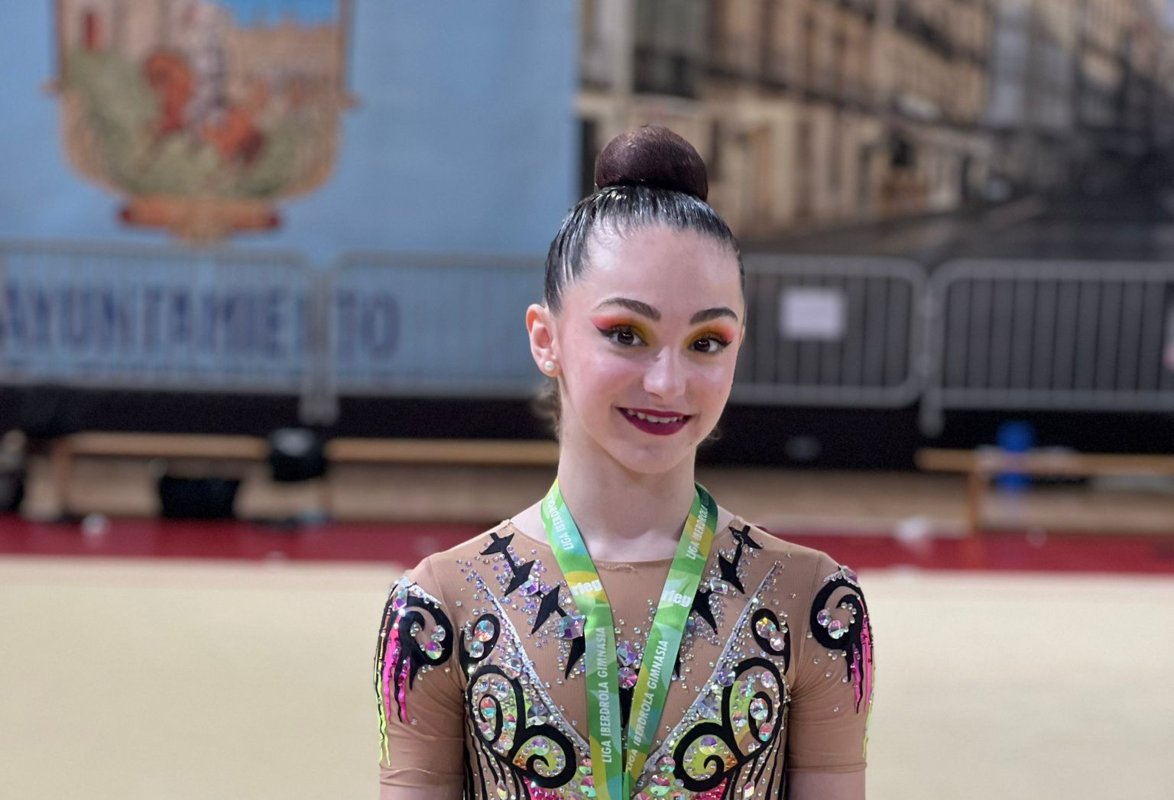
255	449
183	447
980	466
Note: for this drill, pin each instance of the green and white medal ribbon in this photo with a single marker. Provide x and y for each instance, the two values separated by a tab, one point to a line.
619	773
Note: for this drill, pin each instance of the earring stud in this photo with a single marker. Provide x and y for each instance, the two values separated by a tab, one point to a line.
548	366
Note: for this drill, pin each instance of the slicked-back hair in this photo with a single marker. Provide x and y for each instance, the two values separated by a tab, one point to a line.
617	211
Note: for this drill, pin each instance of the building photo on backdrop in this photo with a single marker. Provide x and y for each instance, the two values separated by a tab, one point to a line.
264	274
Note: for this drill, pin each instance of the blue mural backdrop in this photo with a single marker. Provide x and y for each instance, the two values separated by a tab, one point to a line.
188	134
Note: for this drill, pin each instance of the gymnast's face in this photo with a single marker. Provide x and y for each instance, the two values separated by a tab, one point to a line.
645	345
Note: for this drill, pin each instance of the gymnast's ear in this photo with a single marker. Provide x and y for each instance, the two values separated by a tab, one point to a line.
541	329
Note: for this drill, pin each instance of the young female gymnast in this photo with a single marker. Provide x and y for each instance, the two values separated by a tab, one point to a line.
625	636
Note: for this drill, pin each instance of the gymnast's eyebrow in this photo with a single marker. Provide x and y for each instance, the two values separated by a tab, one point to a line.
641	308
712	313
645	310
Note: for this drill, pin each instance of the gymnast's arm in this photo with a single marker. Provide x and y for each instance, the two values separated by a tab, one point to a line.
825	785
421	704
832	691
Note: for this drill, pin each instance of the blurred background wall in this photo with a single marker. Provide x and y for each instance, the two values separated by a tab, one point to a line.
237	216
240	215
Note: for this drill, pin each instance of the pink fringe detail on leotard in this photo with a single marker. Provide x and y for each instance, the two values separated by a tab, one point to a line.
403	691
862	664
390	657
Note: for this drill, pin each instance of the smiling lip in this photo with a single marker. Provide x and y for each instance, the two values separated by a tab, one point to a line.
658	423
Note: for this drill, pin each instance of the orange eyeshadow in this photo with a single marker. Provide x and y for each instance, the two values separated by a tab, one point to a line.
604	323
720	331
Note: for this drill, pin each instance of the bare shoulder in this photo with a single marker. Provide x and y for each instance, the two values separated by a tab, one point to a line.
443	568
528	522
799	556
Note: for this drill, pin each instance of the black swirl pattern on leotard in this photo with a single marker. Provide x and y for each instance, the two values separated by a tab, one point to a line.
518	743
476	647
771	635
839	621
740	740
415	633
532	751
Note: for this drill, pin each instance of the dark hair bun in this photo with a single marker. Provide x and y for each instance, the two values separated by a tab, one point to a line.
652	156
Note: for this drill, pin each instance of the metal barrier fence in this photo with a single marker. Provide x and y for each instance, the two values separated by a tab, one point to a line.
218	320
1057	336
822	331
832	331
432	326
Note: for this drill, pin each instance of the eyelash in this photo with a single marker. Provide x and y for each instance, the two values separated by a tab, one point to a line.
613	333
719	343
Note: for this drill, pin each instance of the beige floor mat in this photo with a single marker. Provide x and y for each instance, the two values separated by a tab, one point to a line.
148	680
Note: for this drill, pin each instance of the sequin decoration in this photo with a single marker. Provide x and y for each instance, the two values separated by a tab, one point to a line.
484	631
521	731
716	793
519	621
771	634
571	626
542	756
400	600
718	586
627	655
737	718
496	701
628	677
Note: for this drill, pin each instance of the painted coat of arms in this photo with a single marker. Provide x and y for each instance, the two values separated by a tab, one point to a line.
203	114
